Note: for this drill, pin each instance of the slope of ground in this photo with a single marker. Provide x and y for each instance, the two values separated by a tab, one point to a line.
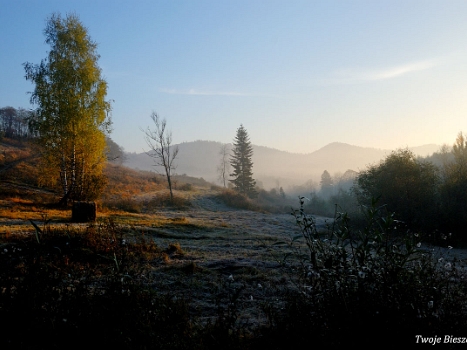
224	261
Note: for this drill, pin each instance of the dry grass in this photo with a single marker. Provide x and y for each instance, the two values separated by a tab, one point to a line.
125	183
18	161
235	199
19	209
151	275
226	272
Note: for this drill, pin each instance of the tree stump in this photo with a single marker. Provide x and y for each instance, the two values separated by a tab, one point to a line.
84	212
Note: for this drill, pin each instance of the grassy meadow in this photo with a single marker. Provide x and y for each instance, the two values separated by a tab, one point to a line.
212	270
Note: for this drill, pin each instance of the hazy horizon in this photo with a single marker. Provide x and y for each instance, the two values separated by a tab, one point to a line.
428	145
380	74
272	167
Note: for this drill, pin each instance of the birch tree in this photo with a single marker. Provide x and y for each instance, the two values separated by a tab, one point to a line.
73	116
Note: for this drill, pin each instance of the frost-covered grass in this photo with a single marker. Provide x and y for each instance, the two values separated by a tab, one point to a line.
194	282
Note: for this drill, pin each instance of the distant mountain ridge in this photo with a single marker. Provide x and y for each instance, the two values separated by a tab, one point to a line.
272	167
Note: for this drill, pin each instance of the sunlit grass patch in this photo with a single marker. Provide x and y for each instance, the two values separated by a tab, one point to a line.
151	222
26	210
16	200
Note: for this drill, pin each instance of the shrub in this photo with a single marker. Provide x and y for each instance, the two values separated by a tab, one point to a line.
360	286
186	187
408	186
319	206
162	200
124	204
237	200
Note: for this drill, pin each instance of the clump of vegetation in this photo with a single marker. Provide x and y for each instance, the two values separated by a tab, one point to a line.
237	200
185	179
164	200
14	123
186	187
361	285
406	185
427	193
273	200
128	205
174	248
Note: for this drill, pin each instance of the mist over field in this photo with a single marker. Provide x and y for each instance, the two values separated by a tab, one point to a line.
308	223
274	168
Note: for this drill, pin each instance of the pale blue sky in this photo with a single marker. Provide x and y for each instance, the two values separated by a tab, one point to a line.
296	74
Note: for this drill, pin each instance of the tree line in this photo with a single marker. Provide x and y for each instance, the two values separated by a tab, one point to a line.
16	123
427	194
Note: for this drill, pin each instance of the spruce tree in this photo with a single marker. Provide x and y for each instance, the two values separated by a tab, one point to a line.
242	164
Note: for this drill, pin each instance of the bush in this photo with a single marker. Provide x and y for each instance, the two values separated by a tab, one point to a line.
318	205
360	286
163	200
408	186
237	200
124	204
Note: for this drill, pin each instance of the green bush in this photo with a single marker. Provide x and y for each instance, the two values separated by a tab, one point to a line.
406	185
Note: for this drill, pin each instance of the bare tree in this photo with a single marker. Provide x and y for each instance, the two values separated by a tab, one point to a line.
223	168
160	140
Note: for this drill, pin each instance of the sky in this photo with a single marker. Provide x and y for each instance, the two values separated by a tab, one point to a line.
296	74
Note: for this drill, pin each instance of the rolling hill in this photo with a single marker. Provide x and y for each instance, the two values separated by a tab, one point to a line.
273	167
